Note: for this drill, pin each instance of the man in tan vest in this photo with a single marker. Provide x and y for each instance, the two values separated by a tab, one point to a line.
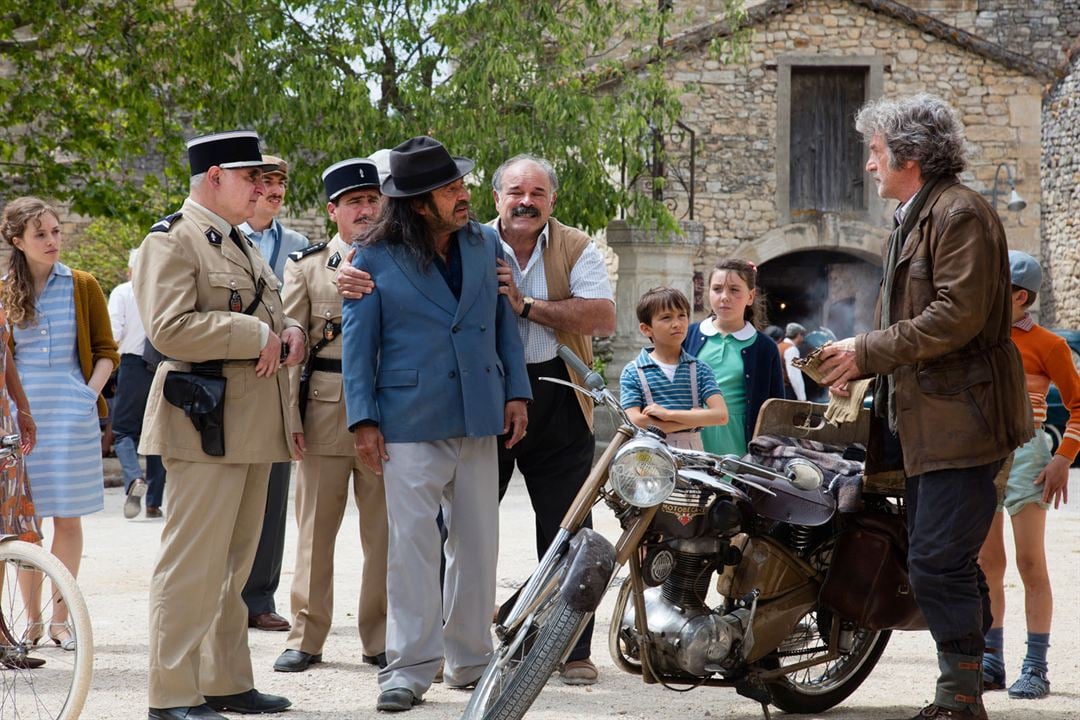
557	283
330	460
211	305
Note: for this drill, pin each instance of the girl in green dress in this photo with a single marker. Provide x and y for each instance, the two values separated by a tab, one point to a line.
745	361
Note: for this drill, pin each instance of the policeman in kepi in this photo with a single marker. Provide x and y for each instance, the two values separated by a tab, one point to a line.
211	304
330	461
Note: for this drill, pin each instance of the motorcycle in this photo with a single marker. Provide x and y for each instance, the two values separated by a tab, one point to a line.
687	515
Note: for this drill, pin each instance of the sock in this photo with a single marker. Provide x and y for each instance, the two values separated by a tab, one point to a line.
994	656
1037	644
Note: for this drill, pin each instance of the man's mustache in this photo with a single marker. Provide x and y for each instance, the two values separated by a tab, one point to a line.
461	206
525	211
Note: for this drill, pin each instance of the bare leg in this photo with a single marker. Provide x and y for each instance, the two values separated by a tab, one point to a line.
1029	528
67	546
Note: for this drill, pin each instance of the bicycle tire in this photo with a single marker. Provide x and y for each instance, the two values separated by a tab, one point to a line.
58	690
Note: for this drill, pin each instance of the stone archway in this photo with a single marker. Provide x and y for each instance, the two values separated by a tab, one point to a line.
828	232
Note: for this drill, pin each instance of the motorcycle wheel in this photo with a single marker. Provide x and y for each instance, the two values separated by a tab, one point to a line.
514	677
817	688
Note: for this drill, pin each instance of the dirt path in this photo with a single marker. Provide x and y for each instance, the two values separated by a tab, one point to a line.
119	555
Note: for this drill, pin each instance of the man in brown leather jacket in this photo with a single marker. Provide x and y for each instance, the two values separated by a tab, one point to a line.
949	400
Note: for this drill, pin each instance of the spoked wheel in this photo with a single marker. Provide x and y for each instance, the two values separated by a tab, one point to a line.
56	689
817	688
522	665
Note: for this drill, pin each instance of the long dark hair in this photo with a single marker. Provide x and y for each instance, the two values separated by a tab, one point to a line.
399	224
754	313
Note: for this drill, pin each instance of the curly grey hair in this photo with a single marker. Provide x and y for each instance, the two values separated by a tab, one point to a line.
496	179
923	128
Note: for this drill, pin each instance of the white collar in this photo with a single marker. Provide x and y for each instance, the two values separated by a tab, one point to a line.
708	329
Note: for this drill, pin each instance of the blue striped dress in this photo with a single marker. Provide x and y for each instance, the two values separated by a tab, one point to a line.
65	468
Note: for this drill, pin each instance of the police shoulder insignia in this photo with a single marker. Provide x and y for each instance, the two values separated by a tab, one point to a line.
213	236
165	223
304	252
334	261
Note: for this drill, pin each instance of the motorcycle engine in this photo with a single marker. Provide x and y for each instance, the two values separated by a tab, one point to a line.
688	637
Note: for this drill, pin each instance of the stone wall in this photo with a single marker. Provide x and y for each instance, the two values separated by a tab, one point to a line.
1061	201
1040	29
735	116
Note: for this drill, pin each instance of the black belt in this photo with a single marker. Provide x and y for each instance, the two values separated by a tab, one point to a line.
326	365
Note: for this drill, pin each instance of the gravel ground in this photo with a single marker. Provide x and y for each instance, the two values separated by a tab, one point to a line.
119	555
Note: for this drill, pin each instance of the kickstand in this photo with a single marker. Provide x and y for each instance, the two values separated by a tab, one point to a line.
765	711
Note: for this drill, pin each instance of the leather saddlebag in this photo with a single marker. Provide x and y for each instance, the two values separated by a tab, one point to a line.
867	581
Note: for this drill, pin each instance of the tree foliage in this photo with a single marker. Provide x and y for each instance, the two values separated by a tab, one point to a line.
98	96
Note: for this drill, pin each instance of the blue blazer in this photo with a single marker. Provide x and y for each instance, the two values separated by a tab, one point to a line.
422	365
763	372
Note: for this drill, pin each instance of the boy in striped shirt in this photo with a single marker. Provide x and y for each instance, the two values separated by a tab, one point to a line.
1035	481
665	387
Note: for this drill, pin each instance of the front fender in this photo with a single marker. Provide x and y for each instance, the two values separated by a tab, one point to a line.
590	563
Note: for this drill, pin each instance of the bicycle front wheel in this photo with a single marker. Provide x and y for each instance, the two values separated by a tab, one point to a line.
39	678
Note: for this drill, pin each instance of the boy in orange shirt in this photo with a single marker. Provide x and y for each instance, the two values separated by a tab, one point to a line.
1035	481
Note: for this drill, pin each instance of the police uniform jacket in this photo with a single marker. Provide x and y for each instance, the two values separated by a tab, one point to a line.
189	279
312	298
423	365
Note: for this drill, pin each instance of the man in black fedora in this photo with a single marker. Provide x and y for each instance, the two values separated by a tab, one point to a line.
434	371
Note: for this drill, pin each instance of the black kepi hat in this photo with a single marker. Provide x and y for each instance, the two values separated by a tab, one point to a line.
351	174
229	150
420	165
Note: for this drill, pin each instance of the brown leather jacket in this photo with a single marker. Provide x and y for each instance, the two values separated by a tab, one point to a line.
960	393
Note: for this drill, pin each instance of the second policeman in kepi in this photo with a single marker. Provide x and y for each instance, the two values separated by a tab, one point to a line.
330	464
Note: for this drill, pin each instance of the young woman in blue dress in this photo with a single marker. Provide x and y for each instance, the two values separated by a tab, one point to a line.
64	352
745	361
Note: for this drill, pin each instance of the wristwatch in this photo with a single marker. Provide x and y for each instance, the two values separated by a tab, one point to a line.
526	307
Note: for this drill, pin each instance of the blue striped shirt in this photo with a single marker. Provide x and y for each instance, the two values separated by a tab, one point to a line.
669	394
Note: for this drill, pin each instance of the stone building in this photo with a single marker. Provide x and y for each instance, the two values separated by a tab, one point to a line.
1061	199
778	165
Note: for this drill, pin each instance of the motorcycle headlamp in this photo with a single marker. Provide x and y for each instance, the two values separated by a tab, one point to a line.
643	472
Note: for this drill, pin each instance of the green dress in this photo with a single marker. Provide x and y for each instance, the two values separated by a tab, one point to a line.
723	353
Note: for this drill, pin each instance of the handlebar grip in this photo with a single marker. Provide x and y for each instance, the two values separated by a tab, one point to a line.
591	378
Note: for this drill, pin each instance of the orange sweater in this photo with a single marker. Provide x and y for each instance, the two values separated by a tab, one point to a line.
1047	359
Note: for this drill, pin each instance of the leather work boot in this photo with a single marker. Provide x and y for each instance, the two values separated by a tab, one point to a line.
959	689
937	711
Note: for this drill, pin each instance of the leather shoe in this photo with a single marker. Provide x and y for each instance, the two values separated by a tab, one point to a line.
251	702
199	712
379	659
939	712
579	672
269	621
397	700
296	661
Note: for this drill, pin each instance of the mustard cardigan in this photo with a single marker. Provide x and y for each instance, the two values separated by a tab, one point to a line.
93	329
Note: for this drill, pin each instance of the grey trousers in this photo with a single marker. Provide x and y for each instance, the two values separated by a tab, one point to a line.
461	475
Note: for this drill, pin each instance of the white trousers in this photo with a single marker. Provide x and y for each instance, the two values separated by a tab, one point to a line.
462	476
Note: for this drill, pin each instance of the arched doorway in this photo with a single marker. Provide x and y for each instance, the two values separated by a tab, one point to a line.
821	288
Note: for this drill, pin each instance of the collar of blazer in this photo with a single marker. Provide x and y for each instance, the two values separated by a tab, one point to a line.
431	284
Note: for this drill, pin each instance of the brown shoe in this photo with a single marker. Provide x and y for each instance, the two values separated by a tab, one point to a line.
579	672
943	713
153	512
269	621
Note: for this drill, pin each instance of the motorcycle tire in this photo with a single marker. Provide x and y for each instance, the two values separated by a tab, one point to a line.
818	688
524	677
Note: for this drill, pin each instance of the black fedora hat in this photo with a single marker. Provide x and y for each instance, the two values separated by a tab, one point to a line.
421	164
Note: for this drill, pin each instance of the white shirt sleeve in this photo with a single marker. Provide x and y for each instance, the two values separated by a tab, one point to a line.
117	313
589	278
794	374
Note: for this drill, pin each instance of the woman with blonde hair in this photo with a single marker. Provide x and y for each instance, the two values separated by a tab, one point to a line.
62	342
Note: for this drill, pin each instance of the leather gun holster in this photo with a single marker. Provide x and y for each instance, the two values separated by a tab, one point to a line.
201	395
